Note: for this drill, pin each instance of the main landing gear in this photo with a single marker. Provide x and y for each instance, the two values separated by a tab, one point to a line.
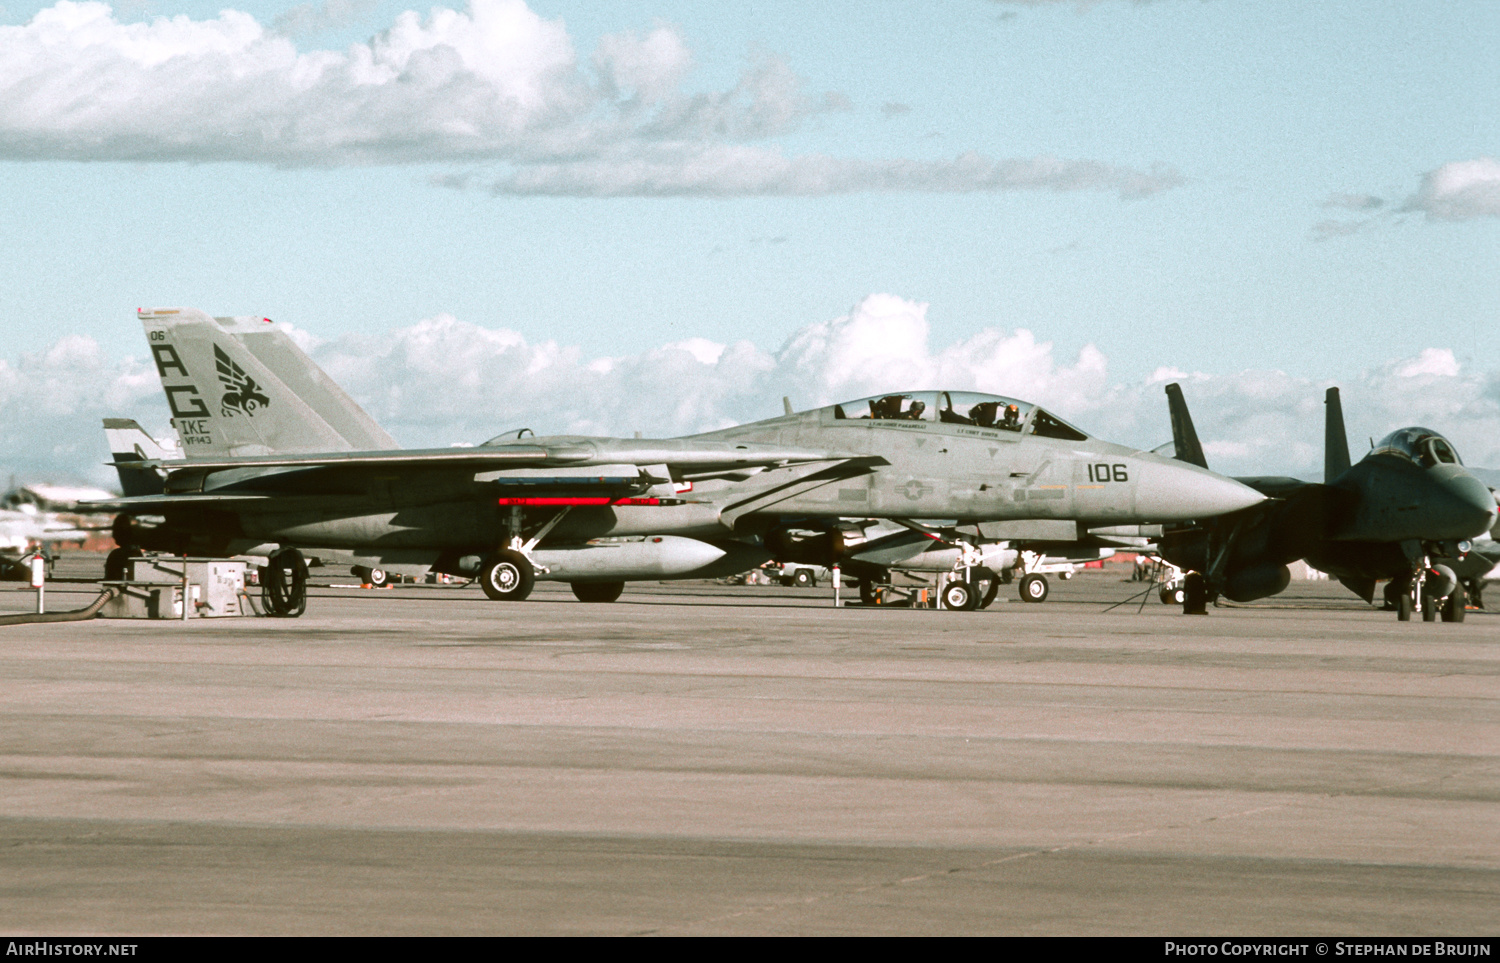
1034	587
507	576
959	596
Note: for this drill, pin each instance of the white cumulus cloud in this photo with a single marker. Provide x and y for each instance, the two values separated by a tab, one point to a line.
495	87
1459	191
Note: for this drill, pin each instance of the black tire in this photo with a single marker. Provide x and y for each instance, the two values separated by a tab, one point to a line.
597	591
283	584
1453	607
1430	606
866	592
1034	588
373	577
1390	592
959	596
117	564
804	579
1404	607
989	586
507	576
1194	594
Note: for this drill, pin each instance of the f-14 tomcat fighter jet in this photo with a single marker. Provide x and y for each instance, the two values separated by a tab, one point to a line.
278	458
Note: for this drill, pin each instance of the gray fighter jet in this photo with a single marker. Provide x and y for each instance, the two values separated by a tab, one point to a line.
1405	512
277	458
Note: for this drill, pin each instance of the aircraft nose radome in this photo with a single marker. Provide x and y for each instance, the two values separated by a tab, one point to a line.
1465	510
1171	492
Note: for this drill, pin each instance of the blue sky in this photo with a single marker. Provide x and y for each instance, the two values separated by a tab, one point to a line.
1221	187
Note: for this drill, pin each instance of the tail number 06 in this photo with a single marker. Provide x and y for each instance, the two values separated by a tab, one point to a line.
1107	473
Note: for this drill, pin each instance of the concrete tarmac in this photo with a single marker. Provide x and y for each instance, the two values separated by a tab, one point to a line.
709	759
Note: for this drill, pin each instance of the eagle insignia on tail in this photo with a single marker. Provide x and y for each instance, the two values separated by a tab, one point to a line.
241	394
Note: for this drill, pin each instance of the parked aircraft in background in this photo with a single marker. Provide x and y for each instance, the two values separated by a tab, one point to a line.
39	516
46	497
1405	512
24	532
277	458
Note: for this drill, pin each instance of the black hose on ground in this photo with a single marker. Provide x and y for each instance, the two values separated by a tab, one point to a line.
75	615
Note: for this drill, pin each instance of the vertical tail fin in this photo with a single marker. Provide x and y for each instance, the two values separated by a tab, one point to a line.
272	347
1335	441
238	386
1184	436
130	444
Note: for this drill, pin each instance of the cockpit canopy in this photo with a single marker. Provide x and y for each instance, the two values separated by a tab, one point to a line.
1421	445
994	412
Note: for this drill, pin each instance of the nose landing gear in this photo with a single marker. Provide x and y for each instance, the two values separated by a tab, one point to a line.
1432	591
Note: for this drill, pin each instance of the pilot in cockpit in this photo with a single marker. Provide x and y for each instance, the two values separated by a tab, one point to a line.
914	413
1012	420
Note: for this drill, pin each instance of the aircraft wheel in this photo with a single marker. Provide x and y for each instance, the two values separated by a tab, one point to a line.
373	577
804	579
283	584
959	596
990	587
1392	591
597	591
1034	588
866	592
1194	594
1404	607
1430	605
1453	608
117	564
507	576
1007	577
